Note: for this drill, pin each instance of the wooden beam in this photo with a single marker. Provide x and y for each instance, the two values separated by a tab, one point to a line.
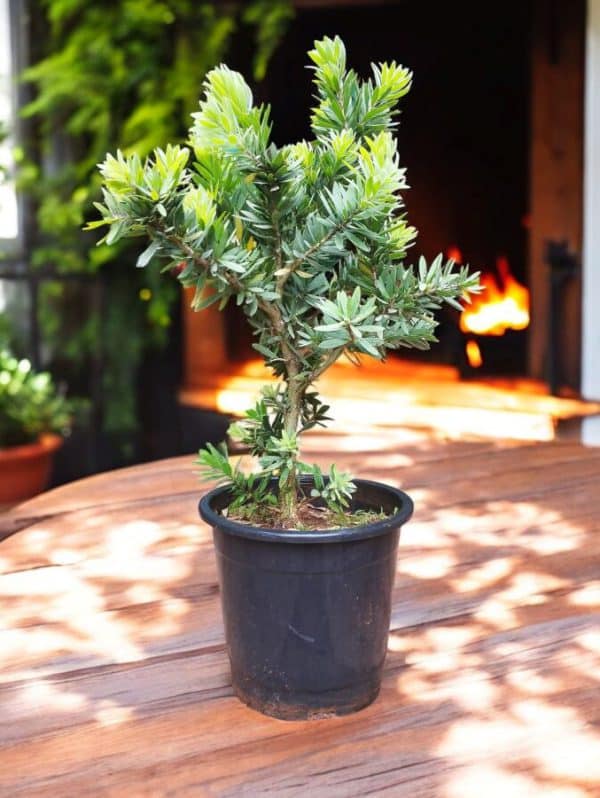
204	344
556	172
591	248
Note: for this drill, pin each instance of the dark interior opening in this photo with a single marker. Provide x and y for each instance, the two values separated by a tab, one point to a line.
464	130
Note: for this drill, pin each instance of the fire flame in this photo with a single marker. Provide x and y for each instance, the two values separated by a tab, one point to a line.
502	305
474	354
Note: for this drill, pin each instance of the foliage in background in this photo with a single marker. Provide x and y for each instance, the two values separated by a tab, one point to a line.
30	404
8	331
5	331
126	72
3	167
310	239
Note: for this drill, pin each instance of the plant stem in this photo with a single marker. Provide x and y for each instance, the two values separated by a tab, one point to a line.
288	491
295	384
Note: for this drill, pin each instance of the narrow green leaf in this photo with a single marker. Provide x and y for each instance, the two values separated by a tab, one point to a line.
147	255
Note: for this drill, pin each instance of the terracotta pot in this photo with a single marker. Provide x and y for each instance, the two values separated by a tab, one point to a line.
25	470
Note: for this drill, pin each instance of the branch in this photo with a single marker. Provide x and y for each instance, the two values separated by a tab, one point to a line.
186	249
199	260
333	355
291	267
270	310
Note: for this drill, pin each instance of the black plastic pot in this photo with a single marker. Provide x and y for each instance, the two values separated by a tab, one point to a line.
307	613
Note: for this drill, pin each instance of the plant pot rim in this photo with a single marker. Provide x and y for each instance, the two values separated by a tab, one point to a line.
48	442
214	518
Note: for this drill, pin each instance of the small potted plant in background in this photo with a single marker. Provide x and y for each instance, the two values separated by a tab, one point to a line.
310	239
34	416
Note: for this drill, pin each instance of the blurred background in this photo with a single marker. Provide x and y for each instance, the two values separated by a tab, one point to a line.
491	135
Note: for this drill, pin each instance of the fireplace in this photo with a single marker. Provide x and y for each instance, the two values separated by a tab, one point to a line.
492	136
464	133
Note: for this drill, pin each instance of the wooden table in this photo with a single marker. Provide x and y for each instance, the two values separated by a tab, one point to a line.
114	678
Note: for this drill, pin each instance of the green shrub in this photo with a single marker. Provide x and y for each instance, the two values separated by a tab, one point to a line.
309	239
30	404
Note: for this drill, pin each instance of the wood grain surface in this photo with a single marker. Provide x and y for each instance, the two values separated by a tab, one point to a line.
114	677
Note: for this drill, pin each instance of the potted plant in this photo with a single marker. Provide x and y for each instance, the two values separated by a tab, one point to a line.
33	417
310	240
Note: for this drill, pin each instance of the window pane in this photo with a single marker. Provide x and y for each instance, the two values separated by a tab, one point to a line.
8	200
